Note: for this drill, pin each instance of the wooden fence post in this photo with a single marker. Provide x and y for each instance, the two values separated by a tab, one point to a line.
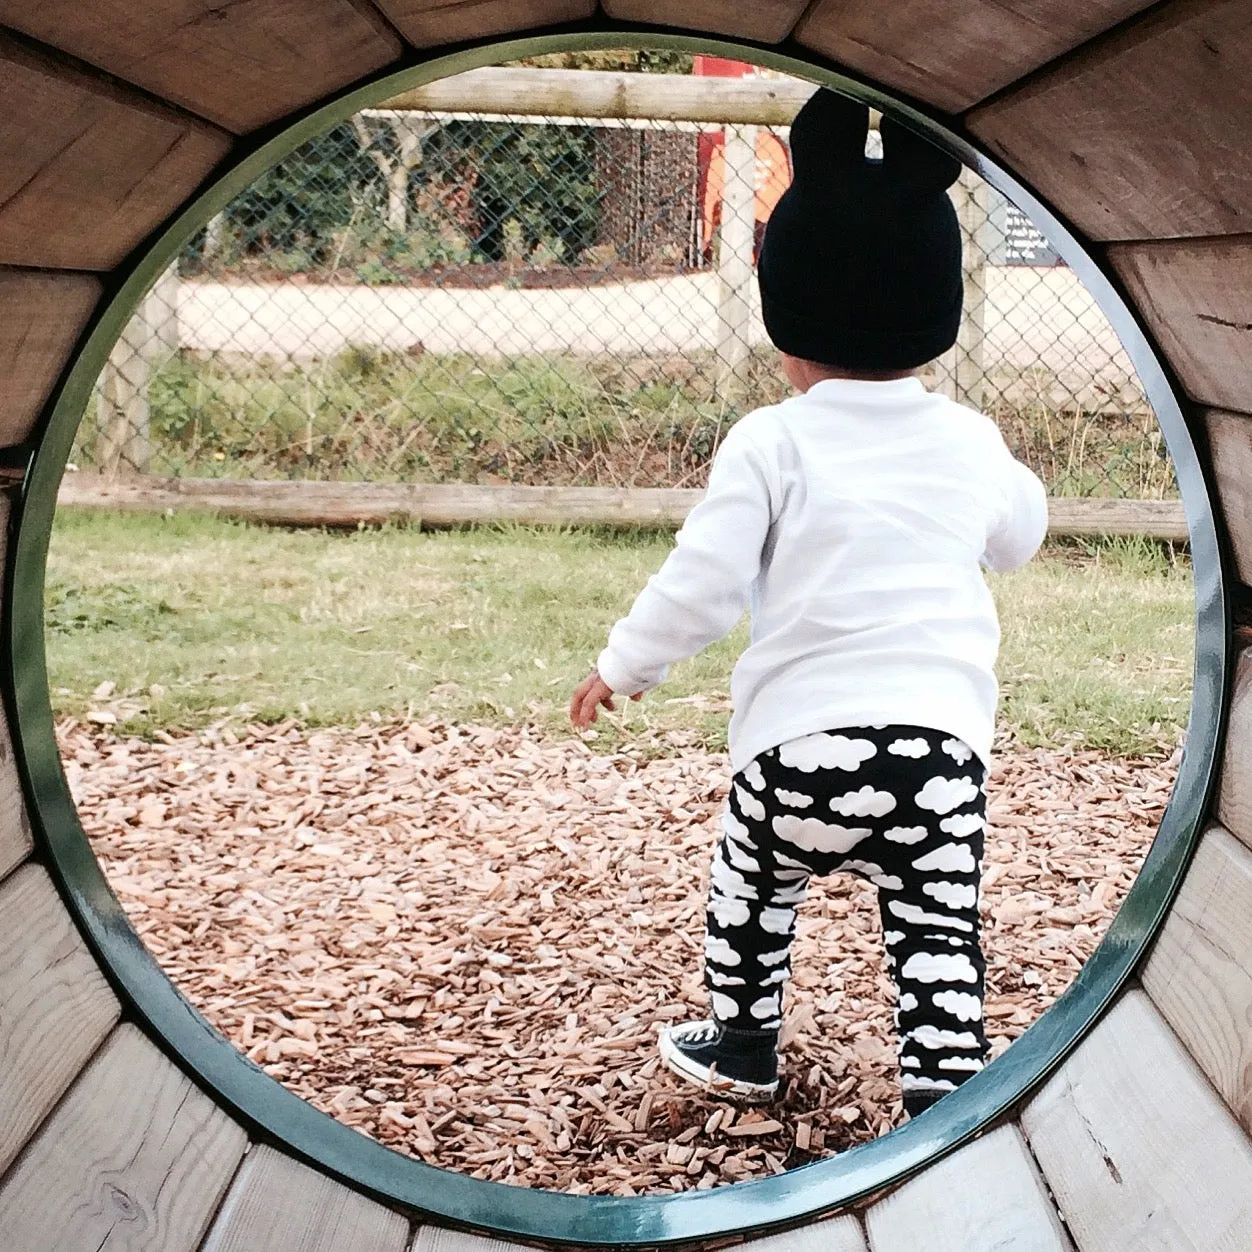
734	261
124	444
961	370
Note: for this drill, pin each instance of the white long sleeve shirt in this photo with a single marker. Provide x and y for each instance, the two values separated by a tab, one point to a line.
853	520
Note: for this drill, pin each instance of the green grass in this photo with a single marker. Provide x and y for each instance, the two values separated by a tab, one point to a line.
641	421
195	621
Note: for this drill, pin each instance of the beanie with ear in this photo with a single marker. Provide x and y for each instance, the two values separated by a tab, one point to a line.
860	267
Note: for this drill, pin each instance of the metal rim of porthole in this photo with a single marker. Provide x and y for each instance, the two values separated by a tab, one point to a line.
275	1115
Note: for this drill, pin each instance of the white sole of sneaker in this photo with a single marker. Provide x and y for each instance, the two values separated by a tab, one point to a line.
702	1076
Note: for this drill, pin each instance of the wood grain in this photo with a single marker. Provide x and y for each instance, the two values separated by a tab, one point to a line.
41	318
1230	455
610	94
1144	135
1200	972
435	1239
15	834
239	65
1192	293
766	21
87	170
290	503
427	23
278	1205
1138	1149
953	53
1234	787
986	1197
134	1158
838	1234
843	1234
56	1005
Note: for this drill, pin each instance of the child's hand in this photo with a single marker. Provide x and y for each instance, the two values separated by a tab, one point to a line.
590	694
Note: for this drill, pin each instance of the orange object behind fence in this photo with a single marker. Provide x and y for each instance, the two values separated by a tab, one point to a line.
773	163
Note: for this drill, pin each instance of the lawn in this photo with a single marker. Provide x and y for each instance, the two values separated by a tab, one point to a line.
168	623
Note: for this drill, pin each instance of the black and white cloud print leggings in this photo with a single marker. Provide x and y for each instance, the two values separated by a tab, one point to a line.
901	806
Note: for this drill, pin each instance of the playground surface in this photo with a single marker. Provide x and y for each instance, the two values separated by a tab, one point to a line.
463	939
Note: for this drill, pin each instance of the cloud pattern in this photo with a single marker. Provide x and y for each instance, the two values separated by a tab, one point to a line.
942	795
865	802
926	864
915	749
823	751
814	835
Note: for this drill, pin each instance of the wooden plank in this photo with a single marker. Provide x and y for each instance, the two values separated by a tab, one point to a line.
288	503
1191	292
239	65
986	1197
57	1006
88	169
1200	972
842	1234
1144	135
427	23
765	21
599	94
110	1170
838	1234
436	1239
1230	454
1137	1147
1234	791
41	317
15	834
279	1205
953	55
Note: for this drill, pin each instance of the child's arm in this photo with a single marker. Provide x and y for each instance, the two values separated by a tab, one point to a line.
699	593
1024	522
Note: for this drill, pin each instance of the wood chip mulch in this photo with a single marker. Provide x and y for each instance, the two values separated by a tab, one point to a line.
463	940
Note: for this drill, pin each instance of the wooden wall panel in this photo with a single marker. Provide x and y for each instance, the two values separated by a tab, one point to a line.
1137	1147
986	1197
837	1234
134	1158
1234	788
842	1234
953	53
766	21
55	1007
279	1205
1193	295
238	65
1145	135
41	318
435	1239
87	170
15	835
1200	972
427	23
1230	454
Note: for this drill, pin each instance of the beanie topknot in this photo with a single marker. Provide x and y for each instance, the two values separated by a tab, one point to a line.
860	267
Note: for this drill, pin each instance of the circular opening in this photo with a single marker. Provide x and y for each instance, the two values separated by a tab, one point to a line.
755	1205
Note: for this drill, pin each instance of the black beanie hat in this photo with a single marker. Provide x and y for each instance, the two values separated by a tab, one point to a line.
860	267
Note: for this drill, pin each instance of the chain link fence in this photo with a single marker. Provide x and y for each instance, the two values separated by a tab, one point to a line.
475	298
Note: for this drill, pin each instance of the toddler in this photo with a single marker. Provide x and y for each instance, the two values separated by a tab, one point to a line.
853	519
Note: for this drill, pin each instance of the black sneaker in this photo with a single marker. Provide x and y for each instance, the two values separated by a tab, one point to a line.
917	1102
742	1063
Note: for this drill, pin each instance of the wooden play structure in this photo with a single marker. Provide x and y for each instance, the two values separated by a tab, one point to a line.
1122	1119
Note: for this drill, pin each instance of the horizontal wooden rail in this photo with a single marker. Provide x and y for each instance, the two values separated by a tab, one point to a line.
353	504
608	94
